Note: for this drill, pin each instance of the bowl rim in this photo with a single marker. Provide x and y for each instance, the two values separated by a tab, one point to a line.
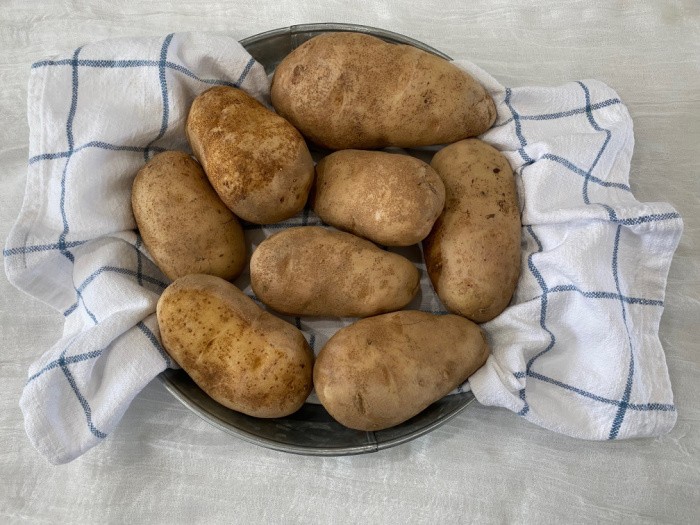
328	27
372	445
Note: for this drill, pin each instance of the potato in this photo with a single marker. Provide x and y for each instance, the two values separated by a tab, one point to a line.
309	270
256	161
241	356
473	253
381	371
351	90
184	224
388	198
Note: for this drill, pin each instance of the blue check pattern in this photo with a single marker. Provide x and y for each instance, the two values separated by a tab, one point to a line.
600	198
110	286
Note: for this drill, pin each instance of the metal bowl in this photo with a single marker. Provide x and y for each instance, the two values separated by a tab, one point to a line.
311	430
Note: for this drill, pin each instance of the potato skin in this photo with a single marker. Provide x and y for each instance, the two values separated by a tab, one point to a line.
183	223
257	162
351	90
473	253
310	270
381	371
241	356
388	198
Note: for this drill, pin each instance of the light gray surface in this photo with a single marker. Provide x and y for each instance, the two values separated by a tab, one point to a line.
163	464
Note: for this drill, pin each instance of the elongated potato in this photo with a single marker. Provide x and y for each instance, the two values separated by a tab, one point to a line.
473	253
351	90
256	161
381	371
310	270
183	223
388	198
241	356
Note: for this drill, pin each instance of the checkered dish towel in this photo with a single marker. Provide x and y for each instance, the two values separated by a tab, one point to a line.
577	351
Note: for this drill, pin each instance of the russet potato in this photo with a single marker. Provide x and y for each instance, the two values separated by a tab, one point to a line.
352	90
383	370
241	356
183	223
388	198
473	253
257	162
310	270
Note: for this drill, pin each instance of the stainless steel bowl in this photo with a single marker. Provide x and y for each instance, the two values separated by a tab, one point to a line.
311	430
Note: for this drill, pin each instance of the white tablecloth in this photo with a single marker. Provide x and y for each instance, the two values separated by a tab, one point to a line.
163	464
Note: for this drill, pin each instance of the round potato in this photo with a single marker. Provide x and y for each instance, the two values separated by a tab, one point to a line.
309	270
241	356
256	161
183	223
381	371
389	198
352	90
473	253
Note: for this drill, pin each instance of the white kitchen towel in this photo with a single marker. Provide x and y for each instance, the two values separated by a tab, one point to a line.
577	351
95	116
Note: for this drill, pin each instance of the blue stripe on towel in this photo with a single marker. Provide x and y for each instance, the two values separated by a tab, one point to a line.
606	295
66	361
543	299
40	248
69	137
164	94
586	174
81	398
608	135
112	269
630	406
156	343
518	127
619	417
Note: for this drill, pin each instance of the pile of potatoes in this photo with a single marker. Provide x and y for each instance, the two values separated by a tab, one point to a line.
354	94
